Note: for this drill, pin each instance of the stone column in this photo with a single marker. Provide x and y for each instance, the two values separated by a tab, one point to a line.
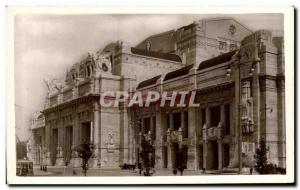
281	125
223	116
134	137
207	117
257	104
136	142
46	158
59	155
92	132
159	138
205	144
123	152
130	137
133	145
131	142
170	146
220	155
76	139
220	145
96	84
125	136
204	136
96	135
192	149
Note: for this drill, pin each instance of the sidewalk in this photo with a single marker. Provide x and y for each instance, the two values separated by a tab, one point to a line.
38	172
70	171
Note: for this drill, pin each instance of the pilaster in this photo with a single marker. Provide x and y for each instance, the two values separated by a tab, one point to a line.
220	155
171	151
96	135
192	149
160	128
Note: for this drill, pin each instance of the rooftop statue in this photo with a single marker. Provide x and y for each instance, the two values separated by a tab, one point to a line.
53	85
103	63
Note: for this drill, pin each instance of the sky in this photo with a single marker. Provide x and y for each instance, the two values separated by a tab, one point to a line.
47	45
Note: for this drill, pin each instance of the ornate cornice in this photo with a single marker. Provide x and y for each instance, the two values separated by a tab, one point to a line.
216	87
87	98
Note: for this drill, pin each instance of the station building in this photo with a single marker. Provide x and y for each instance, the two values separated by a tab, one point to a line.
238	77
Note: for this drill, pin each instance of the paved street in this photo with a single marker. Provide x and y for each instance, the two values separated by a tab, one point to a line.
69	171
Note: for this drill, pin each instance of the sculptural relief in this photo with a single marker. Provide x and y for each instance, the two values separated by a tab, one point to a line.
53	85
110	143
102	63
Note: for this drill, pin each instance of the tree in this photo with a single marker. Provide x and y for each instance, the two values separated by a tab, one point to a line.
85	152
260	156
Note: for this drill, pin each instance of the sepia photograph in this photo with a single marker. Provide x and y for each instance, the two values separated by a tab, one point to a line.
150	97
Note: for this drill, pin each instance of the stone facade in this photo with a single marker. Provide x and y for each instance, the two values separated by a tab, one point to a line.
238	77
